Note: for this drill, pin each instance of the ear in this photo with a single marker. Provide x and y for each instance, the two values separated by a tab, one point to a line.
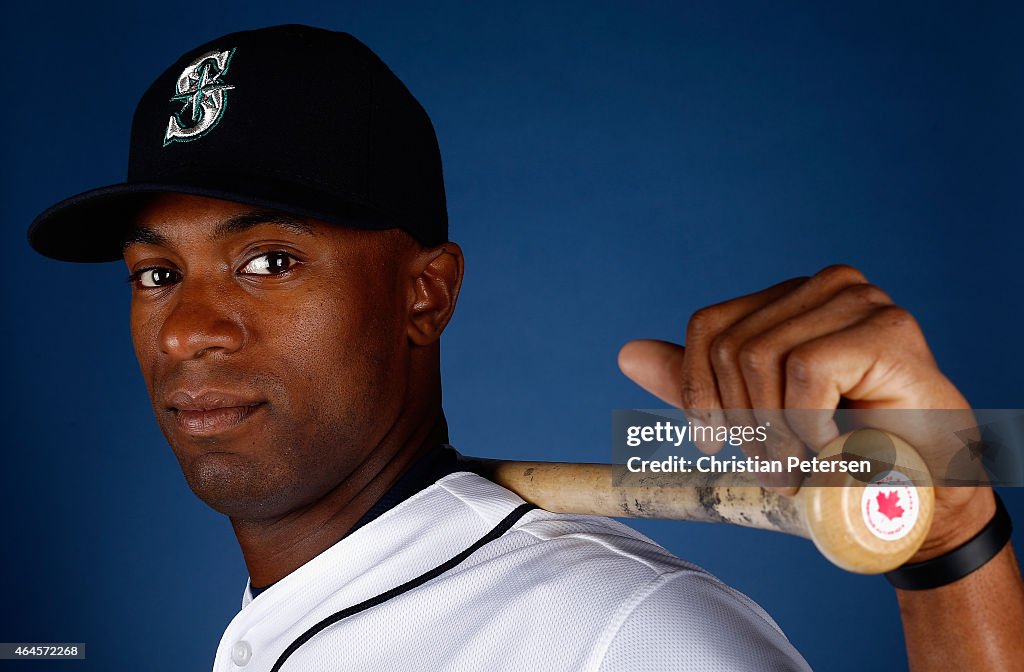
437	278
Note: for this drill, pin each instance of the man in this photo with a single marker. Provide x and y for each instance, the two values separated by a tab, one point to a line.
292	276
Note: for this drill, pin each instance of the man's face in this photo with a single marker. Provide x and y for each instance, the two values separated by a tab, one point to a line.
274	349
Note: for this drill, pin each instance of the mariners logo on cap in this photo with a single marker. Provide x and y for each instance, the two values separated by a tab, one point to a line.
205	97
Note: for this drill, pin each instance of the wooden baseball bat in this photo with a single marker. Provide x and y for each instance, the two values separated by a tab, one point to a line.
861	527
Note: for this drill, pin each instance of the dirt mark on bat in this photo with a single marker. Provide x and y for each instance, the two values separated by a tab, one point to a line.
710	501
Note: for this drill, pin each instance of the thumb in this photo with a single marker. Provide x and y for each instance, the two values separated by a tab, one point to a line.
656	366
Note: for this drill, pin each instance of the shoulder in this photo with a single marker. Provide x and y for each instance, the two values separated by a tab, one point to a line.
692	620
631	599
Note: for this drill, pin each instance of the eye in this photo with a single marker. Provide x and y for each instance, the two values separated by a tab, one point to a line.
271	263
155	277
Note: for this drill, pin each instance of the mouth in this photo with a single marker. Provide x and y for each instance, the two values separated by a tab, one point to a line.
210	413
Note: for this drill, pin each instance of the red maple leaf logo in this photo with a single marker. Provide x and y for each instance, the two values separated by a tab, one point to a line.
889	504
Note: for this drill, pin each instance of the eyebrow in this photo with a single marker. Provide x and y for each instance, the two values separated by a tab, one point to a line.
229	227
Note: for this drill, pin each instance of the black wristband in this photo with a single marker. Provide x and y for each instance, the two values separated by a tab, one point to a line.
959	562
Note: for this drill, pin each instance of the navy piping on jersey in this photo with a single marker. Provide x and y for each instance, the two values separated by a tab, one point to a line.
500	529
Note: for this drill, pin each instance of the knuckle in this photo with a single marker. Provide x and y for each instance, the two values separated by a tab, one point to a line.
724	349
865	293
703	324
842	274
757	356
896	317
801	367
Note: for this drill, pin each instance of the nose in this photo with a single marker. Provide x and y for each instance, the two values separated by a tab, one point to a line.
200	323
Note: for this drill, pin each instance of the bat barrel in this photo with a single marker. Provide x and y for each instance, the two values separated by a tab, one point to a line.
862	527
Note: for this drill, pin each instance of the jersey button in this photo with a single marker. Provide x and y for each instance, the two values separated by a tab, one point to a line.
241	653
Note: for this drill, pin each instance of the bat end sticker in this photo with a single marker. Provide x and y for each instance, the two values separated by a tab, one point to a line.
890	506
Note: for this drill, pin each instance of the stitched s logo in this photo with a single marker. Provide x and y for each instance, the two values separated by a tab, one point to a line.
204	96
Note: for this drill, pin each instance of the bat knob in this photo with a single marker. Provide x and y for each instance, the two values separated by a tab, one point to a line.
870	522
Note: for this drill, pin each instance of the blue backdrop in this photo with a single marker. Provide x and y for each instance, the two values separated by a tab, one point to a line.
609	171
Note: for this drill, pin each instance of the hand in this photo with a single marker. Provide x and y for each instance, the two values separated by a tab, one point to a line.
809	343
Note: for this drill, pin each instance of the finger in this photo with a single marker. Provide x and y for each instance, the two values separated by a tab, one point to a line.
732	347
701	396
731	351
655	366
719	329
876	362
762	358
728	355
744	353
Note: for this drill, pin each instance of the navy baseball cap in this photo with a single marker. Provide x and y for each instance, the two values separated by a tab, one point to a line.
292	118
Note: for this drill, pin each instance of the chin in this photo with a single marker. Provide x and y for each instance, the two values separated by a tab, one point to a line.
236	486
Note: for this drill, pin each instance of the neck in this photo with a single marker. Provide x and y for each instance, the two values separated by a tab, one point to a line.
274	548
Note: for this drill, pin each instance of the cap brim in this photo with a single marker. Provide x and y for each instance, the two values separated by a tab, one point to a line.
91	226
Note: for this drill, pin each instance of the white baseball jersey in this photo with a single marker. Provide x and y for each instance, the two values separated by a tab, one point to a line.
465	576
